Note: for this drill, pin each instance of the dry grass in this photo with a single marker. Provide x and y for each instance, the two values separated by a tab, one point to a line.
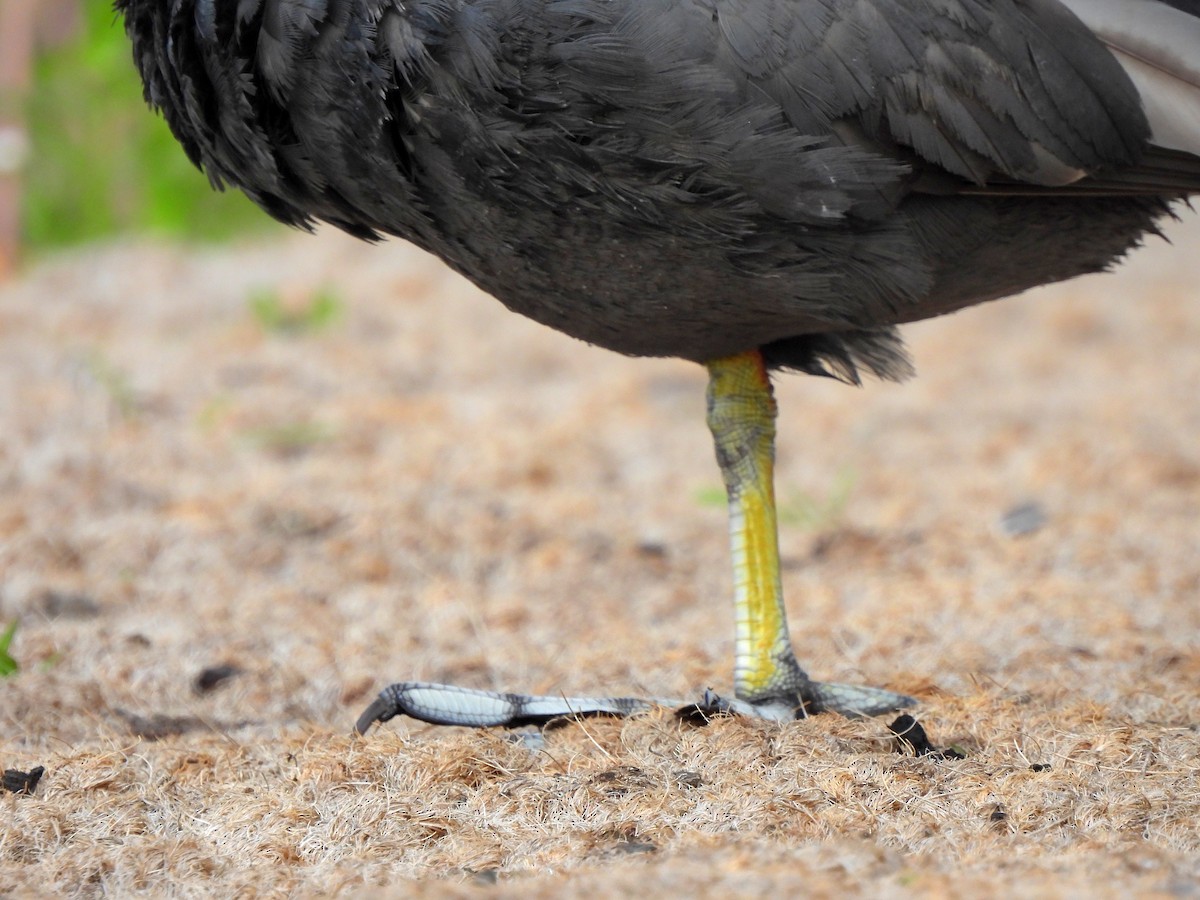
429	487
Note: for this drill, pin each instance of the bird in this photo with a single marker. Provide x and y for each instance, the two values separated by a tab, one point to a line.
757	186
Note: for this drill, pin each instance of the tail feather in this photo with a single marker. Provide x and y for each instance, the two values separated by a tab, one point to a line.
1159	172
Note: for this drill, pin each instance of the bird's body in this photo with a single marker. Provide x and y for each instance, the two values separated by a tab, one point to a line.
804	162
702	178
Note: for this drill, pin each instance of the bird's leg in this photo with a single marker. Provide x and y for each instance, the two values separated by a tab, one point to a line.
767	677
741	416
768	681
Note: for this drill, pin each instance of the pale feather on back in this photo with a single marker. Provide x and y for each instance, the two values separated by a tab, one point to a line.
1159	47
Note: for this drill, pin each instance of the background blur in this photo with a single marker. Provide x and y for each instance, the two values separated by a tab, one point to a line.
80	159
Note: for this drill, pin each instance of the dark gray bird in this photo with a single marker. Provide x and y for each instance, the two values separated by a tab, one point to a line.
754	185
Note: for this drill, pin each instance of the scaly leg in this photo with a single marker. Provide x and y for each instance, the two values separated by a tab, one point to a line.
741	416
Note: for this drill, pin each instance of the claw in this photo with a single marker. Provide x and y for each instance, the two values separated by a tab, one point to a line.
381	709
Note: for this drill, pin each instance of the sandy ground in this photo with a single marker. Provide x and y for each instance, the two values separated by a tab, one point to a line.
430	487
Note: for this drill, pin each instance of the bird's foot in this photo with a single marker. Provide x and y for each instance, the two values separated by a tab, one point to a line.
854	701
444	704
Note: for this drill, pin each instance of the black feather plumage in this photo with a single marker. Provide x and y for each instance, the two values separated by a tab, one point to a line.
692	178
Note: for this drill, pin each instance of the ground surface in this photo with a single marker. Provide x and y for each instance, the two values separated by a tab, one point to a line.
422	485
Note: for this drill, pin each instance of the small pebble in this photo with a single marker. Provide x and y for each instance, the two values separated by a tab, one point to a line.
1023	519
211	677
19	782
68	605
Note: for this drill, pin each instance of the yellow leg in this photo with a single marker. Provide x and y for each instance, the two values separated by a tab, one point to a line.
741	416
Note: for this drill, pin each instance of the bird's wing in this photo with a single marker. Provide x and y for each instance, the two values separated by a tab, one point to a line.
1021	97
971	94
1021	90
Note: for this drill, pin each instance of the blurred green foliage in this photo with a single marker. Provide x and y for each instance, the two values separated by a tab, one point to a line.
8	665
800	509
274	315
288	439
103	162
